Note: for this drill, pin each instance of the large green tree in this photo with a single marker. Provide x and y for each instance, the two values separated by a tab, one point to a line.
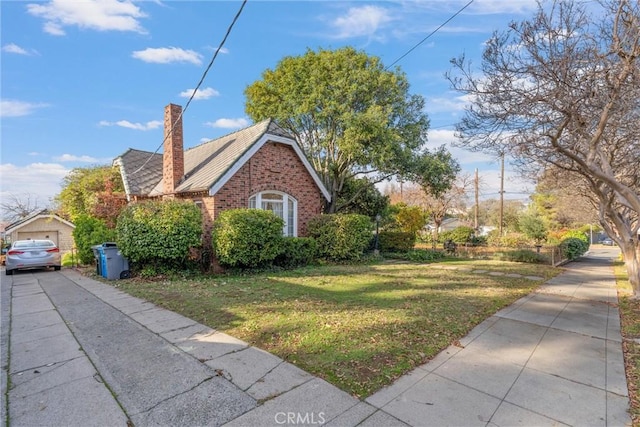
351	116
95	191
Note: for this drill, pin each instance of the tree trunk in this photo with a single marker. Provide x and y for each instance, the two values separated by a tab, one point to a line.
631	254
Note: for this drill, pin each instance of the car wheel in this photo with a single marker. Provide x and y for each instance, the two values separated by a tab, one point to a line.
56	267
9	272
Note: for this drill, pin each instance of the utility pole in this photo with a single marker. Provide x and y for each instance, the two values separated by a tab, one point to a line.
501	192
477	207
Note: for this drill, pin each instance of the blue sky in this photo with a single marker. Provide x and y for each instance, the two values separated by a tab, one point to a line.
83	81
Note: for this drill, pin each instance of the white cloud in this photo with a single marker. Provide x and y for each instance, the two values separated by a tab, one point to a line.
74	158
100	15
205	93
14	48
487	7
13	108
153	124
361	21
166	55
228	123
451	104
446	137
41	179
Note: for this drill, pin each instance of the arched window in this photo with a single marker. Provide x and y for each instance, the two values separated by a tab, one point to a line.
281	204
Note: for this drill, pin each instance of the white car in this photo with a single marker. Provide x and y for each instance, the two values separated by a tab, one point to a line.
32	254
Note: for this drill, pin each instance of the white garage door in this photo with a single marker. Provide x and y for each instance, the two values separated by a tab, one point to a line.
33	235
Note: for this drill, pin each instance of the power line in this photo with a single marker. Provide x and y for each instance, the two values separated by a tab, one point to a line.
430	34
204	75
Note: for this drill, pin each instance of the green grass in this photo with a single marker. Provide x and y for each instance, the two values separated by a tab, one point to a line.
358	326
630	323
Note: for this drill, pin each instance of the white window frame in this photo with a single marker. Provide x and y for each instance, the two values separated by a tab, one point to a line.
290	230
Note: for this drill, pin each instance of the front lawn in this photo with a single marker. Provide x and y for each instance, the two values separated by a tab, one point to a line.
357	326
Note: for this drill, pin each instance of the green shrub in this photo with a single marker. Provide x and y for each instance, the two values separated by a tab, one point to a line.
90	231
159	231
573	247
514	240
247	238
457	235
341	236
396	241
523	255
575	234
424	255
296	252
70	259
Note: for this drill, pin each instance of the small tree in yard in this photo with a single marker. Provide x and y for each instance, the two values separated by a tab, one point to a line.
562	91
159	231
533	227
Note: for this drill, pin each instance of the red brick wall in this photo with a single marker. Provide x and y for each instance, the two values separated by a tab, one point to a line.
173	155
274	167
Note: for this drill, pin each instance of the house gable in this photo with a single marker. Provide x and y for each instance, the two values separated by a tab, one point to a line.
251	151
275	166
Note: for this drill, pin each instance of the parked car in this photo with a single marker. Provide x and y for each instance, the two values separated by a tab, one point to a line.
32	254
607	242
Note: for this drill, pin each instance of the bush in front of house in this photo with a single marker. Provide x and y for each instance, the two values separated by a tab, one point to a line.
341	237
573	247
296	252
247	238
396	241
155	232
90	231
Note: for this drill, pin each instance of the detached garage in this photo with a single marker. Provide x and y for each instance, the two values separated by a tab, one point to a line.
43	225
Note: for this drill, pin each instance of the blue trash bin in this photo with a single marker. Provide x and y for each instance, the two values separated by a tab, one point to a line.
114	265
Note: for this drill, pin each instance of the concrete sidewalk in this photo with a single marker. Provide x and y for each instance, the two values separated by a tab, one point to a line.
84	353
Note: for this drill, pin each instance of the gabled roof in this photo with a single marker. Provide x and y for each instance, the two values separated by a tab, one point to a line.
44	213
140	170
210	165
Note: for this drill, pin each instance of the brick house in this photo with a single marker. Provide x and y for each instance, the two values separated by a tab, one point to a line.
260	166
43	225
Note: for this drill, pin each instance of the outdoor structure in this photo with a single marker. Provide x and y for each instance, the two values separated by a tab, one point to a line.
43	225
260	166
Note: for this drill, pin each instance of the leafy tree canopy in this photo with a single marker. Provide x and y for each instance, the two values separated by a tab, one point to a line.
95	191
350	115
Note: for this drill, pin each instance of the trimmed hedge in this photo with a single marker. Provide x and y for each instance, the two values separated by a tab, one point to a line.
296	252
396	241
159	231
341	237
247	238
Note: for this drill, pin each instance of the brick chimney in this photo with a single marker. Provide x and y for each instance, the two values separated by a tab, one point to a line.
173	157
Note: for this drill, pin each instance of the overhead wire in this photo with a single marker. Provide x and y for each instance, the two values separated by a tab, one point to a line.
204	75
430	34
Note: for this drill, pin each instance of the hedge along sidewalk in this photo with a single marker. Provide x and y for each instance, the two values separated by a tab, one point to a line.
357	326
